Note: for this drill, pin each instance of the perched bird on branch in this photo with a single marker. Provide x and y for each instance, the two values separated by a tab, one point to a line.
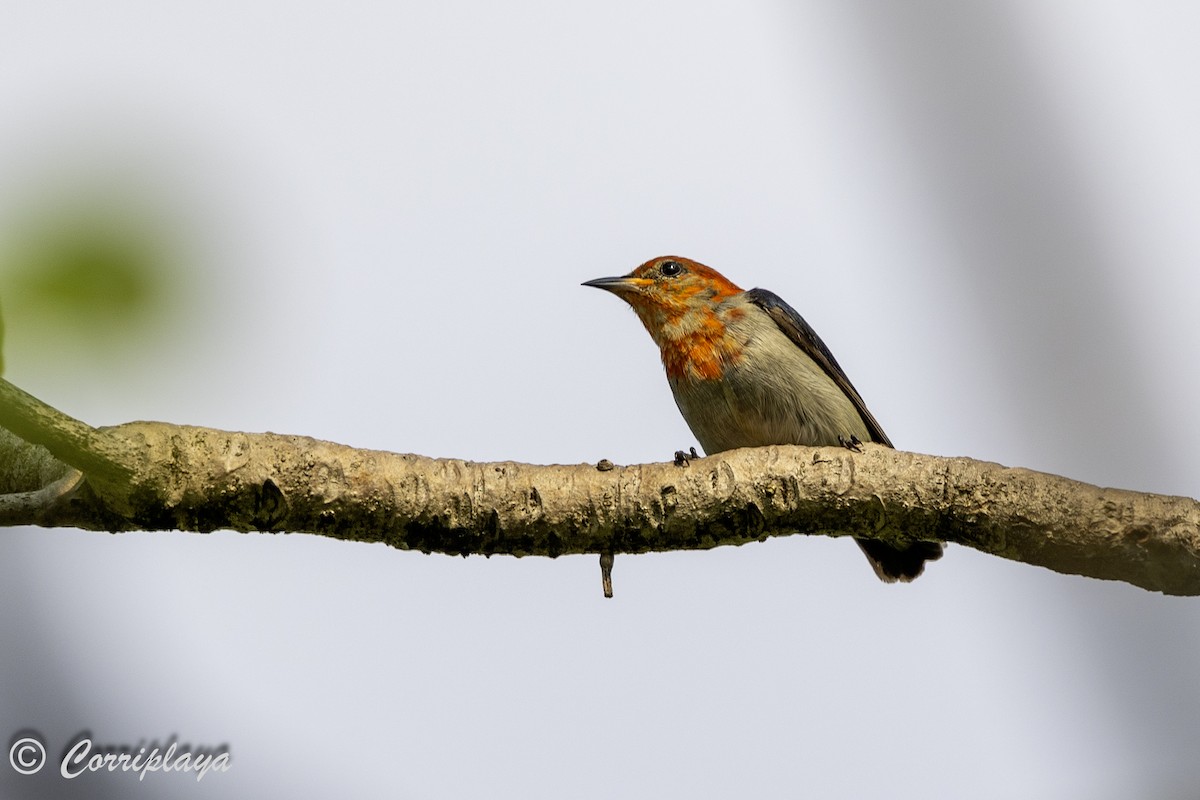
748	371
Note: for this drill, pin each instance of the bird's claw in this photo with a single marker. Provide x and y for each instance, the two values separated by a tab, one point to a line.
683	459
852	443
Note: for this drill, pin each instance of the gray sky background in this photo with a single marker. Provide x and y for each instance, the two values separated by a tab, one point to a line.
383	212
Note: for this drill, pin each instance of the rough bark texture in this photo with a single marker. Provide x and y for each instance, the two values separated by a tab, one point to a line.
154	476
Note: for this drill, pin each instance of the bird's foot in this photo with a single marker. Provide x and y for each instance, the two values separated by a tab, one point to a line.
852	443
683	459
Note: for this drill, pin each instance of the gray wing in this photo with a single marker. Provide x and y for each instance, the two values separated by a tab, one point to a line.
804	337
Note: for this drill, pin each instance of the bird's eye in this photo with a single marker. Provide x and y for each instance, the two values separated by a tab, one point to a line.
670	268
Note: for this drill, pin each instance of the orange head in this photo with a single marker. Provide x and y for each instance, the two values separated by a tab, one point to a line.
680	303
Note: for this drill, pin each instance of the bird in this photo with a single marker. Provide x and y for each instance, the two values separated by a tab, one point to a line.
746	370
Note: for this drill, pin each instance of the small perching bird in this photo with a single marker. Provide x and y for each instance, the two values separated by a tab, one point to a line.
747	370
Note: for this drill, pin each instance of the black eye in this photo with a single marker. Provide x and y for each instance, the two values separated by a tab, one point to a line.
670	268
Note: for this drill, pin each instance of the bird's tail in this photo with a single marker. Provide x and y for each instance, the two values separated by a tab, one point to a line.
892	564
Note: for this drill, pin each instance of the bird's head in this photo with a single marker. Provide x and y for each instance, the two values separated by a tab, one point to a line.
675	297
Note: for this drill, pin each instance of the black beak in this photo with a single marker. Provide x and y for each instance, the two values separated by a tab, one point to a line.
601	283
619	284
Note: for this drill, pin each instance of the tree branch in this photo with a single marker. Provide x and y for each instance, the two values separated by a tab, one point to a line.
157	476
71	441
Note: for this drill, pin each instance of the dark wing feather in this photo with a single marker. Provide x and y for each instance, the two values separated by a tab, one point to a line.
804	337
891	564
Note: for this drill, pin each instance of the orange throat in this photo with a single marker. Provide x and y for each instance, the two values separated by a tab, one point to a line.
690	325
696	349
693	358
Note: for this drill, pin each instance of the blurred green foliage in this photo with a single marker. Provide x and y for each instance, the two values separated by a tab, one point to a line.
87	277
91	266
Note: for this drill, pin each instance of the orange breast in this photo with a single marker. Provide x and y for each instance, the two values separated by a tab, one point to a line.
703	353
